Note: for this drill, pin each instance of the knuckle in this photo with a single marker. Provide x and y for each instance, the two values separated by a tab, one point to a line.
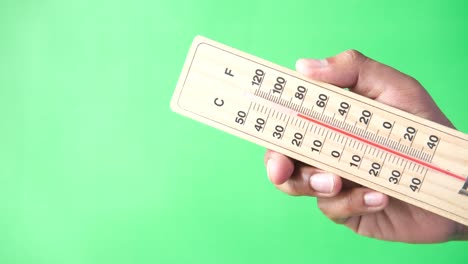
357	200
348	206
323	206
337	208
354	55
296	187
288	188
364	232
329	211
413	81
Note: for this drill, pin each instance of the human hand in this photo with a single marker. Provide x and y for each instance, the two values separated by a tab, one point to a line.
365	211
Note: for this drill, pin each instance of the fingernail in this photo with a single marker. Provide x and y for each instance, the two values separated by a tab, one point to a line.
303	65
269	165
373	199
322	182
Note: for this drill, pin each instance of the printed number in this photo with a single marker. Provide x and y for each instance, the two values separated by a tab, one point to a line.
433	140
297	140
260	123
394	178
375	169
335	154
409	135
387	125
415	184
301	91
279	85
240	119
366	116
258	77
344	106
356	160
278	133
318	145
322	101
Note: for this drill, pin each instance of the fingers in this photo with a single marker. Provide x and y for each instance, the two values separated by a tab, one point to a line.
375	80
309	181
300	179
352	202
338	199
279	167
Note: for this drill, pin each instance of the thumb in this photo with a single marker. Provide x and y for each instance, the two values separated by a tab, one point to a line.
351	69
367	77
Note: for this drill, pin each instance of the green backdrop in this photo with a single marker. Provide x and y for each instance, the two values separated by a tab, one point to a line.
95	168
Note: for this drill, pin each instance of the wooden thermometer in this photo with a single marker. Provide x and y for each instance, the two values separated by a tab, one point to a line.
407	157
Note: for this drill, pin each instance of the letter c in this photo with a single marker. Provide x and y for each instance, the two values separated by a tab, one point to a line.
219	102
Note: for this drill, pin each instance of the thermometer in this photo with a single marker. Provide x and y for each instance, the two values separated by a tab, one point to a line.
402	155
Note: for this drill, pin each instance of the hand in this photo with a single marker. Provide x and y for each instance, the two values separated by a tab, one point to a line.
365	211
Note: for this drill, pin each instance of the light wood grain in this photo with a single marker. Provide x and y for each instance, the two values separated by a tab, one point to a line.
427	168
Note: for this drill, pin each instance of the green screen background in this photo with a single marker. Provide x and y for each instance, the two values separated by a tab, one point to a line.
95	168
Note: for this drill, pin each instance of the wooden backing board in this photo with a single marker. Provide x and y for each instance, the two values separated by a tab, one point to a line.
365	141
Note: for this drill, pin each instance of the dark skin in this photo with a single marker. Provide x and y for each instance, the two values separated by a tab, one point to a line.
363	210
